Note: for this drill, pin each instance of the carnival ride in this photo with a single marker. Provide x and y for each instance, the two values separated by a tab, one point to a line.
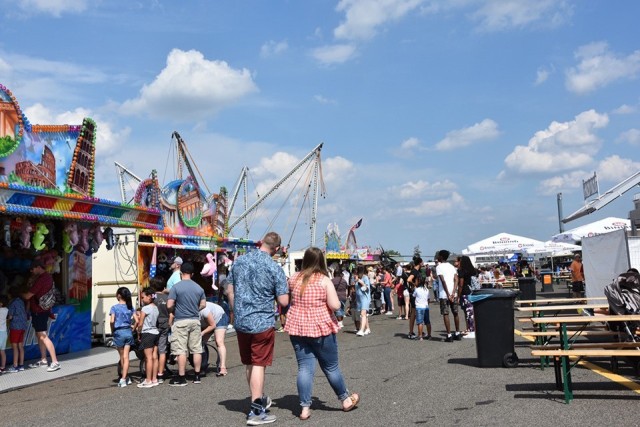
184	202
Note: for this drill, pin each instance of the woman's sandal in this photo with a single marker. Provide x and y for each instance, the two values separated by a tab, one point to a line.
222	373
355	399
305	416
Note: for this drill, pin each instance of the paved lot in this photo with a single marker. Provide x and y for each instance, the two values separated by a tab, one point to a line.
402	382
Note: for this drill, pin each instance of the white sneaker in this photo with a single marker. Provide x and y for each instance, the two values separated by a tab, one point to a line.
340	325
470	335
360	333
367	332
40	364
389	313
53	367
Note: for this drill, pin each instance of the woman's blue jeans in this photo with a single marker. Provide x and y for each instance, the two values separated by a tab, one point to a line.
387	299
325	351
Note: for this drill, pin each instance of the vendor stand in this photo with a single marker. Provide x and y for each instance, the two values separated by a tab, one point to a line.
49	212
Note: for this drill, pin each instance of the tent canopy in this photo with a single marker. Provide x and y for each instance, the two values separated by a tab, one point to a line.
502	243
602	226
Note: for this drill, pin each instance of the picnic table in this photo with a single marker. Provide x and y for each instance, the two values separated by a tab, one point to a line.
568	348
560	300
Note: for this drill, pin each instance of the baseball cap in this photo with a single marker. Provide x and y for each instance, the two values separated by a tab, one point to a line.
177	260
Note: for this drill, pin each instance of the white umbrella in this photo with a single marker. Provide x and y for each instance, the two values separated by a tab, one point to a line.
553	248
603	226
503	243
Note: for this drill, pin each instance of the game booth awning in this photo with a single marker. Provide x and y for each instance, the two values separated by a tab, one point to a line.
49	212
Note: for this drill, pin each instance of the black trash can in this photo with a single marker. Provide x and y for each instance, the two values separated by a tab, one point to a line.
527	286
546	276
493	314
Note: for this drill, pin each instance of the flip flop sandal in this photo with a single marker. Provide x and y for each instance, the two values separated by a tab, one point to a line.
355	399
222	373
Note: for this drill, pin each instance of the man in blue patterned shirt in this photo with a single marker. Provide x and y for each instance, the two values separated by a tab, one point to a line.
255	282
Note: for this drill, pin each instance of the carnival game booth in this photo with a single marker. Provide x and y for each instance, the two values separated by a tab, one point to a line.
49	213
194	225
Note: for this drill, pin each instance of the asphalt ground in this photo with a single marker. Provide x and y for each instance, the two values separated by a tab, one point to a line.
401	382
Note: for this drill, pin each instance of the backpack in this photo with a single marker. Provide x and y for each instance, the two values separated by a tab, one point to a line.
475	283
48	300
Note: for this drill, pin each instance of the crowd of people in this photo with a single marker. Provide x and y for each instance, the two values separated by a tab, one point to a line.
176	320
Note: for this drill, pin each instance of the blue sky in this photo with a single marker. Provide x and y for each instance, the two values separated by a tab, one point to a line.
443	122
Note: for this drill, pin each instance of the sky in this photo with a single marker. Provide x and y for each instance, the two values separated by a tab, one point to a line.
443	123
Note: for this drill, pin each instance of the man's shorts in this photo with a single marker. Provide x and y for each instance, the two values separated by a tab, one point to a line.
355	314
340	312
16	336
148	340
577	286
445	304
40	321
422	316
185	337
163	338
122	337
256	349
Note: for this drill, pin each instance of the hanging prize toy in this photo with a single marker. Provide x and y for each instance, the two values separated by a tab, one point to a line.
6	228
96	238
83	244
109	238
25	234
38	236
210	269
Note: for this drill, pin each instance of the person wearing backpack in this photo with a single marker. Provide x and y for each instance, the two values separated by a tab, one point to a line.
42	285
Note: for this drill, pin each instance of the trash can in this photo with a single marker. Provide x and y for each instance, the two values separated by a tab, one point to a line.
547	280
527	286
493	314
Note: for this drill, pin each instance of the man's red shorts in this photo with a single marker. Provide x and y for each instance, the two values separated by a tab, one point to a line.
256	349
16	336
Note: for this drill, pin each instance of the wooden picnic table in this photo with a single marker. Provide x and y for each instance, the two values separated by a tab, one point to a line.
547	308
559	300
566	348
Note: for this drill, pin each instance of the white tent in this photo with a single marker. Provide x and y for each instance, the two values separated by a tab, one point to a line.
502	243
603	226
553	249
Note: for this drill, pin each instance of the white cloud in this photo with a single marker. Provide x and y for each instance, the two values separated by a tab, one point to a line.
191	87
631	136
337	170
408	148
420	189
543	74
562	146
323	100
437	207
53	7
108	140
273	48
486	130
562	182
363	17
499	15
31	67
625	109
598	67
334	54
616	169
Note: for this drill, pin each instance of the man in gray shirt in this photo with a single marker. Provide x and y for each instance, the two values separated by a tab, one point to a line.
186	299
